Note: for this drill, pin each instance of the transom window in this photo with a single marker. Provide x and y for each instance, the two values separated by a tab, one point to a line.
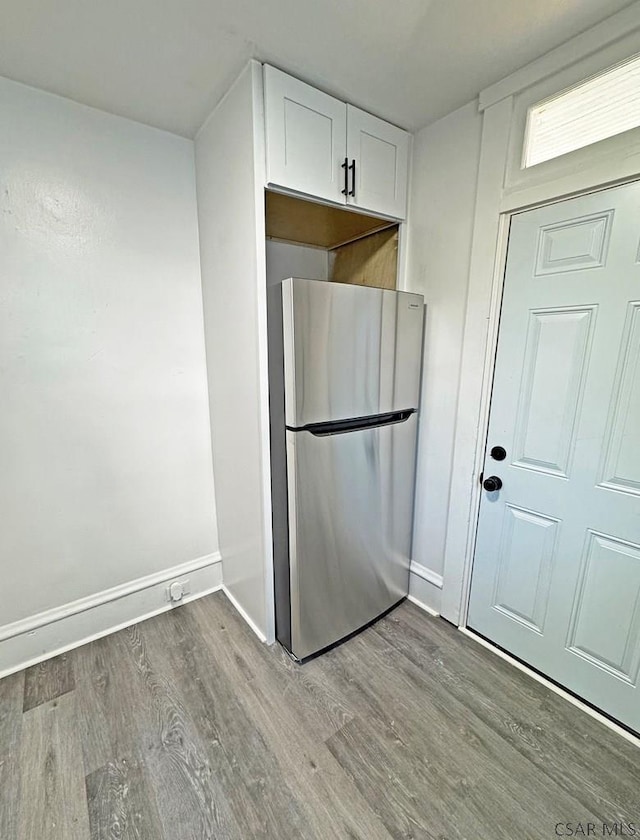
600	107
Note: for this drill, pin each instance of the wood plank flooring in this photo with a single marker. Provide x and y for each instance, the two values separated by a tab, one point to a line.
185	727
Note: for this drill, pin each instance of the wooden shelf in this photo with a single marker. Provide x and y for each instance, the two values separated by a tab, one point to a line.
291	219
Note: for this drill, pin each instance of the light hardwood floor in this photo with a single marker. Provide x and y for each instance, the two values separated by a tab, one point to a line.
185	726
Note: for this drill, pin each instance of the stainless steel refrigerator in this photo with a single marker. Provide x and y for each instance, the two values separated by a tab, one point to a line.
344	370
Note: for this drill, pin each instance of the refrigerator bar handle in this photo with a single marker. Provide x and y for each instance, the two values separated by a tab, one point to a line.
355	424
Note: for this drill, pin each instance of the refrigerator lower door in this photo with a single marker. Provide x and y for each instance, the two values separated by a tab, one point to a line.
350	499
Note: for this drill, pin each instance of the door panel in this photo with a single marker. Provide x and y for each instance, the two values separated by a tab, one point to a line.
609	576
556	577
350	519
573	245
381	155
556	356
525	561
622	460
305	137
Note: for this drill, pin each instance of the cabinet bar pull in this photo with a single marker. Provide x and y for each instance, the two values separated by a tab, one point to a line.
345	166
352	191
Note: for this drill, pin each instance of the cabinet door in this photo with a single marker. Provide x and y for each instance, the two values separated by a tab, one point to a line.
381	155
306	134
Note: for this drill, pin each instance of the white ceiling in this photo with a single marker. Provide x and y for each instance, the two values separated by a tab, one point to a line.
167	62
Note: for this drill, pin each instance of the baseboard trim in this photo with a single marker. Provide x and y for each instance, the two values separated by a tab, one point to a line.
52	632
610	724
425	588
244	614
423	572
423	606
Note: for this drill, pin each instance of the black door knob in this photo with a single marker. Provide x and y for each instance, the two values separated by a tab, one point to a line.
492	483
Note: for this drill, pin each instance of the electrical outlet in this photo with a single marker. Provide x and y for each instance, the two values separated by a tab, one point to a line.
177	589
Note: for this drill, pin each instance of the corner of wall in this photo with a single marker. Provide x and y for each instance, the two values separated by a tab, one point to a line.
230	185
442	206
50	633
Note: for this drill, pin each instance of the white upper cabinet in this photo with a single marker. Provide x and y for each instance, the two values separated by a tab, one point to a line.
318	145
305	137
380	152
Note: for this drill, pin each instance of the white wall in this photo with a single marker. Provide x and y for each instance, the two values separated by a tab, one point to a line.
285	259
105	462
230	199
442	203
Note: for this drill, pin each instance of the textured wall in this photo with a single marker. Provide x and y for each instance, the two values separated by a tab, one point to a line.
105	461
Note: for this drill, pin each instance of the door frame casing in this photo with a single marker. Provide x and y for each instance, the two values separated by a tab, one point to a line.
502	190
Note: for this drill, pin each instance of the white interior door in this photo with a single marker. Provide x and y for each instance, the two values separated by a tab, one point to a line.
380	152
556	576
306	137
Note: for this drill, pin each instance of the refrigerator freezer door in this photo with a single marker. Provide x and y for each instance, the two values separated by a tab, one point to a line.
350	518
349	351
